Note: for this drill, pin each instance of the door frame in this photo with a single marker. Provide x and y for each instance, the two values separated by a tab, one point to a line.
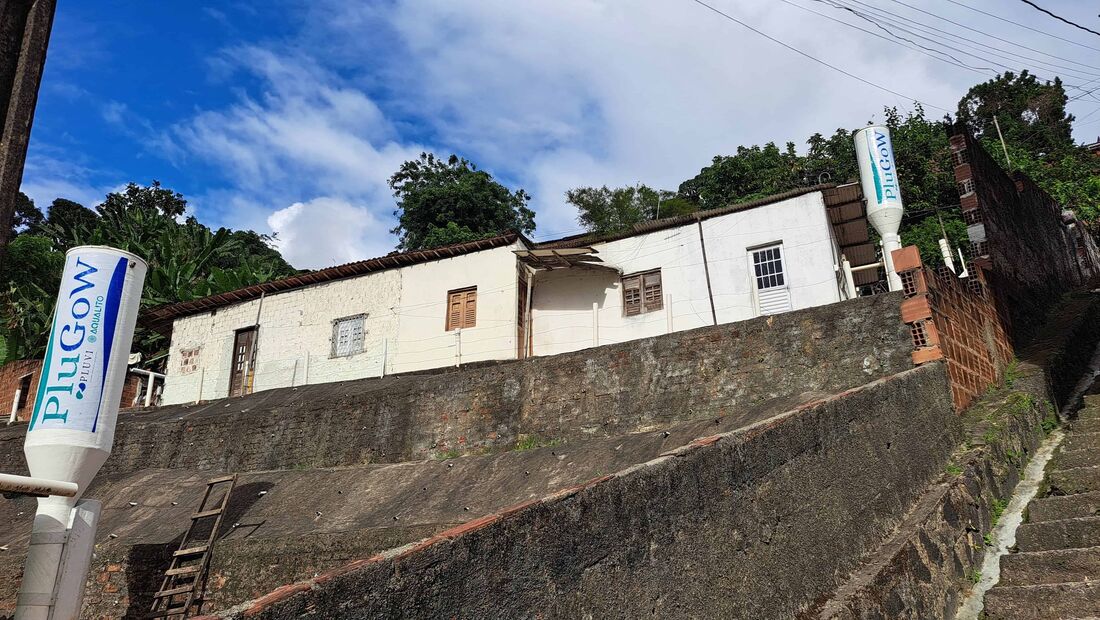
250	363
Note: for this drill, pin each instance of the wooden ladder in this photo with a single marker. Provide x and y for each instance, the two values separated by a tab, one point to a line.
184	583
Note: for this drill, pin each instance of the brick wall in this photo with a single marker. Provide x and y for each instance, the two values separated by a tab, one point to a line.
11	378
955	319
1030	253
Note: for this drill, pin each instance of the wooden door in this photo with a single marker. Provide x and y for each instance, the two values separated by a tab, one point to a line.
521	322
244	362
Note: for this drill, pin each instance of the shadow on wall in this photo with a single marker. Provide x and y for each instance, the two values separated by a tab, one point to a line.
572	290
146	563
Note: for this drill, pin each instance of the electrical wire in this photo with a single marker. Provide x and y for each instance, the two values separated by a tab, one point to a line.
1059	17
1015	23
814	59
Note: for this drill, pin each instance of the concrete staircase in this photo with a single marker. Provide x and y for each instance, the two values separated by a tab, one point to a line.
1055	569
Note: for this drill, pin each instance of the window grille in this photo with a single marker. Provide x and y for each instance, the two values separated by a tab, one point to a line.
973	216
768	266
966	186
642	292
974	283
920	334
909	282
189	360
462	308
979	248
348	335
959	157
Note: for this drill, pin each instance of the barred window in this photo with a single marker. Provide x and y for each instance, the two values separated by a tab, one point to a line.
348	335
768	266
960	157
642	292
973	216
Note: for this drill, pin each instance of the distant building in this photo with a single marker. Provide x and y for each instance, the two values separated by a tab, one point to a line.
507	297
1094	148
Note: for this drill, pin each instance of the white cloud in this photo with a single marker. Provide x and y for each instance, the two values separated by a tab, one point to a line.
546	96
326	231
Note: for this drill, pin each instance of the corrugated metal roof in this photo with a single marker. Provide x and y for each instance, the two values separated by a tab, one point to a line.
162	316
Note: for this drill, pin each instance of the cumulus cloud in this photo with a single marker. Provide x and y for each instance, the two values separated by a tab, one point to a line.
325	231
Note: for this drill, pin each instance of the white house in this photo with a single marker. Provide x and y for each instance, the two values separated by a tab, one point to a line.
506	297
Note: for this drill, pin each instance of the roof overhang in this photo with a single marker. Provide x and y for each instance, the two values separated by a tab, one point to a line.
550	259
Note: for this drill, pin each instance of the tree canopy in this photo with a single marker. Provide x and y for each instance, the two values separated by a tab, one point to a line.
449	201
186	260
1033	119
603	210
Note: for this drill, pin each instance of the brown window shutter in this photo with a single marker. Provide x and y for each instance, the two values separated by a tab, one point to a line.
632	295
454	310
470	312
651	291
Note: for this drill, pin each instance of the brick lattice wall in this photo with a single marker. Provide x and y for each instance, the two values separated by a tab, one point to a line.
955	319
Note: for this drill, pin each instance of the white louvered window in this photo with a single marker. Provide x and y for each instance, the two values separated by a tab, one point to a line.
773	296
348	335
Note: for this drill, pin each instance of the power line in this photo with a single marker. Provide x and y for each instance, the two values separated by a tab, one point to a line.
1014	23
971	29
817	60
1059	17
919	49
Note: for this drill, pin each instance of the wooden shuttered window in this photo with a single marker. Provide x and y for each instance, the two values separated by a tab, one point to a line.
642	292
462	308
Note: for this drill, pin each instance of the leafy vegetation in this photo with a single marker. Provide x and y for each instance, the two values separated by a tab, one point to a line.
1033	120
440	202
187	260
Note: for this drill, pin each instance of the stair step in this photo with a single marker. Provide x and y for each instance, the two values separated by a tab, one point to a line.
1079	441
183	570
1074	480
1044	567
1086	425
220	480
1043	602
192	551
1064	507
164	613
1060	534
207	513
174	591
1075	458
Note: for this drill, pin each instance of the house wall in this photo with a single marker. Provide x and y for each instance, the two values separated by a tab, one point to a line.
11	375
422	338
405	327
294	340
562	301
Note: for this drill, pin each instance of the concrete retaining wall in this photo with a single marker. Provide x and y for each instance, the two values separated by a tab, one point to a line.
755	523
610	390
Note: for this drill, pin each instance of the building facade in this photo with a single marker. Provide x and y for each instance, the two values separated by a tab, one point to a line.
507	298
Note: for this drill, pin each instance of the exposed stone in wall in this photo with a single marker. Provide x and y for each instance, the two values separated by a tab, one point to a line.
1018	234
755	523
704	373
923	570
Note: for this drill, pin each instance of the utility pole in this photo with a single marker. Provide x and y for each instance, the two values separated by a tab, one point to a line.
24	36
1002	139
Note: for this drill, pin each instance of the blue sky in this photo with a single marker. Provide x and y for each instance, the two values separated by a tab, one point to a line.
288	117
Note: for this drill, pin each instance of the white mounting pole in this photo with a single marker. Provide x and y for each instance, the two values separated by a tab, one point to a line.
962	261
668	313
849	279
458	347
948	260
595	324
15	406
202	379
385	354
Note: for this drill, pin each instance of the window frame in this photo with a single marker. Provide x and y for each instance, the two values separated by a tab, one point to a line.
642	305
24	395
334	340
784	277
464	314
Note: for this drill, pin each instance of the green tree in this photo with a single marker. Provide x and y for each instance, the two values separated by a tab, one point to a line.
925	233
602	210
67	222
754	172
446	201
27	216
